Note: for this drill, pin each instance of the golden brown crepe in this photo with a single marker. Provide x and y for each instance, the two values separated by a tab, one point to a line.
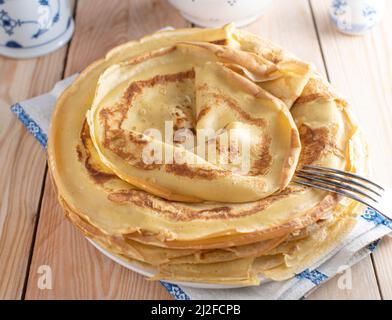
204	221
185	85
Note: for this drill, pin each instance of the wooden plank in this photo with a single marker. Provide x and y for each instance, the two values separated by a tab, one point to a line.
22	162
363	285
383	265
292	27
361	68
80	271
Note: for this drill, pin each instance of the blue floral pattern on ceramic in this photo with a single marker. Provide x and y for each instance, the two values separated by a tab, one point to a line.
9	24
231	2
339	7
369	12
41	27
356	16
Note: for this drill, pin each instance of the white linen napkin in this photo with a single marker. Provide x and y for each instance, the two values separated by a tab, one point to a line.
35	114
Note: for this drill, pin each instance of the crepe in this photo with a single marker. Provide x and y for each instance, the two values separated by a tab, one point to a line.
209	220
195	93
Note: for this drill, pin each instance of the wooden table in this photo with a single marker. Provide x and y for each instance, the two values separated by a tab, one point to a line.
33	230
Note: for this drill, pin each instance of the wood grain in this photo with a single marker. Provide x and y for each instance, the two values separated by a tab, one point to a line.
363	285
79	270
22	163
382	259
361	69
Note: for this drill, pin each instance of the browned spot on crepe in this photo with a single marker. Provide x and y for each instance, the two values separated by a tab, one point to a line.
185	170
115	138
177	212
94	171
295	140
313	97
234	105
221	42
204	111
263	163
264	159
79	152
315	142
137	86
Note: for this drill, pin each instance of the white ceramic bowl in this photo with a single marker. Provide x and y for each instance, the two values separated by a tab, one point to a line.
30	28
214	13
355	17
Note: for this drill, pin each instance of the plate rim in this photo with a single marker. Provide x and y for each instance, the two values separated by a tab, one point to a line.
147	273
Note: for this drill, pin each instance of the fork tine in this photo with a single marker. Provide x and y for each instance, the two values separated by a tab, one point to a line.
338	191
344	173
338	178
336	184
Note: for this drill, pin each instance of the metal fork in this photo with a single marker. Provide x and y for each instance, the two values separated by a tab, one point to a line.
347	184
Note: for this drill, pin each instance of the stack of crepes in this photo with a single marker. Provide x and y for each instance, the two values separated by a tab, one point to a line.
204	221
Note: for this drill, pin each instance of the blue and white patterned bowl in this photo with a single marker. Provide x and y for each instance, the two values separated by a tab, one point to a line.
355	17
31	28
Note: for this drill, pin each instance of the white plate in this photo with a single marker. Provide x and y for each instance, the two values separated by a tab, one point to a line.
150	272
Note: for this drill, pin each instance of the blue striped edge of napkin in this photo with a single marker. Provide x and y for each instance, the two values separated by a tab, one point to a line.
30	124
